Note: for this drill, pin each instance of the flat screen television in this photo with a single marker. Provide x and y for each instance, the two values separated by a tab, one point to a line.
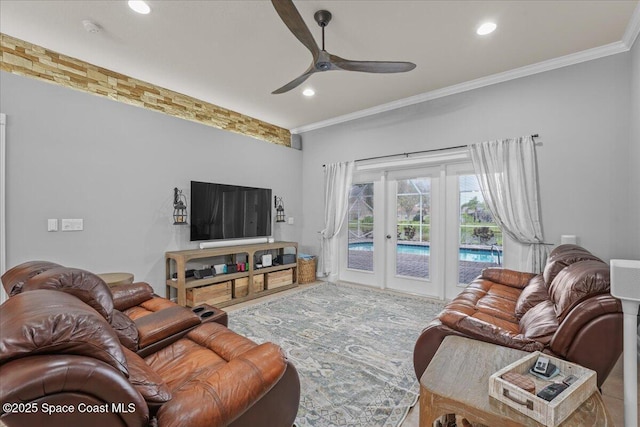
221	211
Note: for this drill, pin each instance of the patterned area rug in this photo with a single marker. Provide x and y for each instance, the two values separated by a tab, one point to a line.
352	347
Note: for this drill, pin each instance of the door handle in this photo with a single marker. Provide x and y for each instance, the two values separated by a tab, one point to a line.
388	236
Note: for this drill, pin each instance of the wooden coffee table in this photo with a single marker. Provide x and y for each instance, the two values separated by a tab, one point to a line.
457	382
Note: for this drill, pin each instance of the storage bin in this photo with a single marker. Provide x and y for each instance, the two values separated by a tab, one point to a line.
212	294
547	413
279	278
241	286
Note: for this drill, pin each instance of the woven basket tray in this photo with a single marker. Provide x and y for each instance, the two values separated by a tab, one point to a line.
306	270
548	413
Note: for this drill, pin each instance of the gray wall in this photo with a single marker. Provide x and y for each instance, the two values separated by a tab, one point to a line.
582	114
75	155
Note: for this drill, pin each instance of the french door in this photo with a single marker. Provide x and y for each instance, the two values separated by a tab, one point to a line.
393	228
422	230
412	239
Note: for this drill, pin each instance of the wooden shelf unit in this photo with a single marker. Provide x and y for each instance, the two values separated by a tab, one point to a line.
176	262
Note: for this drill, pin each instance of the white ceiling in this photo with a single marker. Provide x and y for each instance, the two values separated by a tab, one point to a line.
235	53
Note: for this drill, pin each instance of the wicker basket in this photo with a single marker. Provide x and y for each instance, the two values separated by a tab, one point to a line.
306	270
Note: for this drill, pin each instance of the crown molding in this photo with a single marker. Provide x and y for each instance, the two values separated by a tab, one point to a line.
633	28
540	67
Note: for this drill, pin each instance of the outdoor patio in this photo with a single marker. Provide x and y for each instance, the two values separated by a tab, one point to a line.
413	265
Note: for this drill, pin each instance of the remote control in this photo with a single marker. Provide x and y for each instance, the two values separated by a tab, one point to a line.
551	391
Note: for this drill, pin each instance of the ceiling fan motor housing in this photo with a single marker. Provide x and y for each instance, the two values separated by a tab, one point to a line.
322	17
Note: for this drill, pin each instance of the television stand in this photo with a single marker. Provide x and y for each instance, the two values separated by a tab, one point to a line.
222	290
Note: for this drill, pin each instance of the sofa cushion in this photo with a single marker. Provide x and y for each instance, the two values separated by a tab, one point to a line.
82	284
146	381
229	389
499	302
577	282
130	295
14	278
125	329
504	276
535	293
560	249
48	322
489	298
562	257
204	349
540	322
148	307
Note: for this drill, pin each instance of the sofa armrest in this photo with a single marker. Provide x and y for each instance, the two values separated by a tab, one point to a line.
280	405
164	323
428	343
220	397
130	295
62	379
591	335
504	276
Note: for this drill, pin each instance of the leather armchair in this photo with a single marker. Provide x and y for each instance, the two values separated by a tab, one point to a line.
567	311
62	364
142	320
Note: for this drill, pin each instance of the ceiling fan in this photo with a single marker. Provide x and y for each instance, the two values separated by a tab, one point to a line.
323	60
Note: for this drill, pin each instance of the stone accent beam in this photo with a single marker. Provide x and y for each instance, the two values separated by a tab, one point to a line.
26	59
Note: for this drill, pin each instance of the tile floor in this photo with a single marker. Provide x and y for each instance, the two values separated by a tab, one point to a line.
612	389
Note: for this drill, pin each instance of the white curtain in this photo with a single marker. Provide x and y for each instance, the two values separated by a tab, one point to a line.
337	184
508	178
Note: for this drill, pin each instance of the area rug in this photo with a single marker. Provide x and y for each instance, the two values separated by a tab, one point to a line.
352	347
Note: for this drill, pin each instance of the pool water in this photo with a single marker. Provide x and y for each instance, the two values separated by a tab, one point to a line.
473	255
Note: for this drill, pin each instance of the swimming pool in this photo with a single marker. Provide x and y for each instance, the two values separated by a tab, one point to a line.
472	255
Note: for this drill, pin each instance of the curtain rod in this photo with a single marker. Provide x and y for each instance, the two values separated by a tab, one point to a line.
420	152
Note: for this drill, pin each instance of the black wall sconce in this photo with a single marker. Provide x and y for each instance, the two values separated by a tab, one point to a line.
279	205
179	208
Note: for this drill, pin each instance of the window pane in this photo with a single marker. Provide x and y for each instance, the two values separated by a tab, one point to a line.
413	202
480	237
361	227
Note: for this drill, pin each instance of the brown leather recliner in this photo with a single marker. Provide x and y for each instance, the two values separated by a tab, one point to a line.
135	300
142	320
62	364
567	311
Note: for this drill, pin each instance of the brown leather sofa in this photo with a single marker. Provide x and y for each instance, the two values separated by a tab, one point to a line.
62	363
567	311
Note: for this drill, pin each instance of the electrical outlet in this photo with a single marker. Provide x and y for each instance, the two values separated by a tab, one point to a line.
72	225
290	220
52	225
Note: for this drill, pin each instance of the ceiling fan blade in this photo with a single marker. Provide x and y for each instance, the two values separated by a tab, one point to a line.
295	82
292	19
372	66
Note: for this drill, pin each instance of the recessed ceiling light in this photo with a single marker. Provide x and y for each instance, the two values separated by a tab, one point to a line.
308	92
486	28
139	6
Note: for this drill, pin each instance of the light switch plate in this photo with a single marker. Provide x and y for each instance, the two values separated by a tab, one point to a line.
290	220
72	225
52	224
